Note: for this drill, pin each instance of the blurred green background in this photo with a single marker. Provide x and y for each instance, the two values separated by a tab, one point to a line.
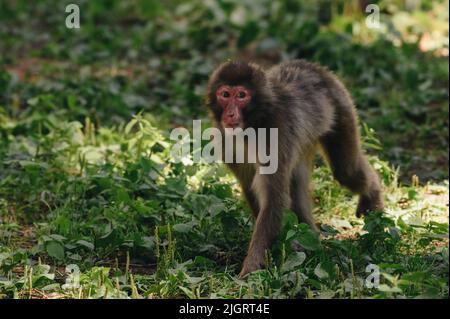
156	56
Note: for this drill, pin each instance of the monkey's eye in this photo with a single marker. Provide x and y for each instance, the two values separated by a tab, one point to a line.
242	94
226	94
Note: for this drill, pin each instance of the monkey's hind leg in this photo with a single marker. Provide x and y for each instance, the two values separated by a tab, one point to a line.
300	195
350	166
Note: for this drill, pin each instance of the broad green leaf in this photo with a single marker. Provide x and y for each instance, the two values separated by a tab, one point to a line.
320	272
294	260
55	250
309	240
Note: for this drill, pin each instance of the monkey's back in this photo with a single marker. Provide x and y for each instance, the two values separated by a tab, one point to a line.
311	95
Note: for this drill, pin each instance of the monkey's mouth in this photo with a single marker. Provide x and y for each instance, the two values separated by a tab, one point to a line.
231	124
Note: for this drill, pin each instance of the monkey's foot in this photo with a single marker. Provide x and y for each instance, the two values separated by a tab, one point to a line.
251	264
369	204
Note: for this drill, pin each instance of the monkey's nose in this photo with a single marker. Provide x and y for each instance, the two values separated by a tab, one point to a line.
231	114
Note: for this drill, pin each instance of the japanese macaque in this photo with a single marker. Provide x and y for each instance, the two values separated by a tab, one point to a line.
311	109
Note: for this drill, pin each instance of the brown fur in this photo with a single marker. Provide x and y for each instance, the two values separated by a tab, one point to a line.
311	108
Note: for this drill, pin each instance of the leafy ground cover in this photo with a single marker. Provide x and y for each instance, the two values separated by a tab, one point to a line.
92	205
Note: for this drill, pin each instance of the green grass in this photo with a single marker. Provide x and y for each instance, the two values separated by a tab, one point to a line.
114	198
87	179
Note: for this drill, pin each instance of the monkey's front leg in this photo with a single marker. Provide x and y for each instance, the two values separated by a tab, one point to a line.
272	192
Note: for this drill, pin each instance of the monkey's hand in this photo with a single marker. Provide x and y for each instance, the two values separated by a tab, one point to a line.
368	204
251	263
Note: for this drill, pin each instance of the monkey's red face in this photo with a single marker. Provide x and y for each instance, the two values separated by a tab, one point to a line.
232	99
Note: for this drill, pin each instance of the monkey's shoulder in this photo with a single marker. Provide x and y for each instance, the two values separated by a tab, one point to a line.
300	72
